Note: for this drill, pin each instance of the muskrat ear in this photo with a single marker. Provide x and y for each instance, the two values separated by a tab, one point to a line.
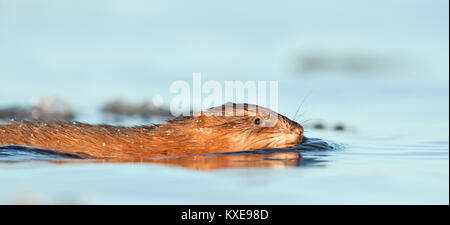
219	110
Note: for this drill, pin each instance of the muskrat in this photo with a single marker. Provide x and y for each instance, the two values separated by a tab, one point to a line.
215	130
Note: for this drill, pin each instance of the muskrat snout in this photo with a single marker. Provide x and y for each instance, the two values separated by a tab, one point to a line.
298	132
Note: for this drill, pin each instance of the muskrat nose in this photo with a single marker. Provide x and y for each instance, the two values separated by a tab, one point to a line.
298	131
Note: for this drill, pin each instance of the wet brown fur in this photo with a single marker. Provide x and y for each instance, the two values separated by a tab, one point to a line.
198	134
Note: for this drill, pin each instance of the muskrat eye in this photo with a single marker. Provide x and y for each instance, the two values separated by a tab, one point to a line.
257	121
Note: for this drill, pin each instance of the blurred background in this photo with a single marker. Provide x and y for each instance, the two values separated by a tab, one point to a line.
349	61
378	68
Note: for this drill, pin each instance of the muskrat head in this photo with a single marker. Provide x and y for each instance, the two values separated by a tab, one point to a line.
245	127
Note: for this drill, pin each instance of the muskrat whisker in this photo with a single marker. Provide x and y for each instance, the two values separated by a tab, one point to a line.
301	104
309	120
300	115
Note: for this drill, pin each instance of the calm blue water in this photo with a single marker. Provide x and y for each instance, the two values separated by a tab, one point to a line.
394	102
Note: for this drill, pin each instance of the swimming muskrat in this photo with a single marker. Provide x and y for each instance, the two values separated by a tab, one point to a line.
219	129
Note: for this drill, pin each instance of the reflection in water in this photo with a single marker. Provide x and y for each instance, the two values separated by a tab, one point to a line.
273	158
236	160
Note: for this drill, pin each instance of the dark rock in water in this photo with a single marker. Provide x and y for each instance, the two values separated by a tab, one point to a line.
146	109
44	109
339	127
323	126
319	126
348	61
14	113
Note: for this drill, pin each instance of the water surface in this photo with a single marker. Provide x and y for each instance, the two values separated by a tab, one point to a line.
384	76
